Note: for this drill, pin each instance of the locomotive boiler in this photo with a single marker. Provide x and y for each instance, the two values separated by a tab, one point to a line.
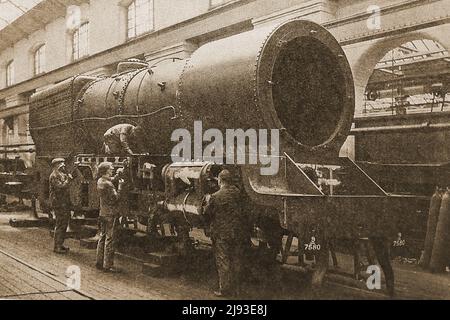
293	77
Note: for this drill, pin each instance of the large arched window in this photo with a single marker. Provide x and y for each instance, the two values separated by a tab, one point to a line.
140	17
80	41
410	78
39	60
10	73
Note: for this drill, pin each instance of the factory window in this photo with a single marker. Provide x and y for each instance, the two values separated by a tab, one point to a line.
22	127
408	79
39	60
9	124
140	17
80	41
10	73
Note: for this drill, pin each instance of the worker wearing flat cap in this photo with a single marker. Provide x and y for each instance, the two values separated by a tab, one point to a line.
109	216
230	233
59	182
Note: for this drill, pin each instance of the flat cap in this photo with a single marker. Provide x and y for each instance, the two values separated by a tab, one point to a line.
58	161
103	167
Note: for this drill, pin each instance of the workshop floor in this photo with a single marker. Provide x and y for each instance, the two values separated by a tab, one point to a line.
30	270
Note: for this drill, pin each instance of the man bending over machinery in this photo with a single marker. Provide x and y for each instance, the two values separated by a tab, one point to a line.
117	140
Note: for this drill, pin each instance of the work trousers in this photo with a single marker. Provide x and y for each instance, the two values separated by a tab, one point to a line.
62	217
113	147
229	255
106	243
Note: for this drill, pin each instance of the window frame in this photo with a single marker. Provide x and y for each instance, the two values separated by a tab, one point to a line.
150	16
9	124
39	60
10	74
77	35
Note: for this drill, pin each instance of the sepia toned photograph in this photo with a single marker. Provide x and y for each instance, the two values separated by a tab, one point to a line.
224	154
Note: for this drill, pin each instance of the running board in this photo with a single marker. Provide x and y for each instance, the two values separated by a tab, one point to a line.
338	198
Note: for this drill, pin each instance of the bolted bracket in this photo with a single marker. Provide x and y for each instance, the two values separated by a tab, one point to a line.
162	85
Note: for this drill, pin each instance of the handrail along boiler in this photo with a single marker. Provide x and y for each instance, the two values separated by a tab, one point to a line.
294	77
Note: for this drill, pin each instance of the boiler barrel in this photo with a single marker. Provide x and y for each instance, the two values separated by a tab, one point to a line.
294	77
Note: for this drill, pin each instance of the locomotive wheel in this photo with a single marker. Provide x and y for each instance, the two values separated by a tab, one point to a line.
381	248
51	216
322	264
143	220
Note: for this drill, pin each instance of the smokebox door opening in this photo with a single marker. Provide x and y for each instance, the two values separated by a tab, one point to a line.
308	91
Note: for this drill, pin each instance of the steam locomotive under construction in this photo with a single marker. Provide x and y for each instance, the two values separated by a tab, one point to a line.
293	77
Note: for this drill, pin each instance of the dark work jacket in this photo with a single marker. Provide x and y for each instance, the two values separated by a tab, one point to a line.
119	137
59	190
228	221
109	198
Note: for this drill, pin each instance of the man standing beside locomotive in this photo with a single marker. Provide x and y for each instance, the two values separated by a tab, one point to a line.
59	182
230	233
118	138
109	217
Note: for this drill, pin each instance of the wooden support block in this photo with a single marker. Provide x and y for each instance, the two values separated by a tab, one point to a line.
163	258
156	270
88	243
28	223
88	231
